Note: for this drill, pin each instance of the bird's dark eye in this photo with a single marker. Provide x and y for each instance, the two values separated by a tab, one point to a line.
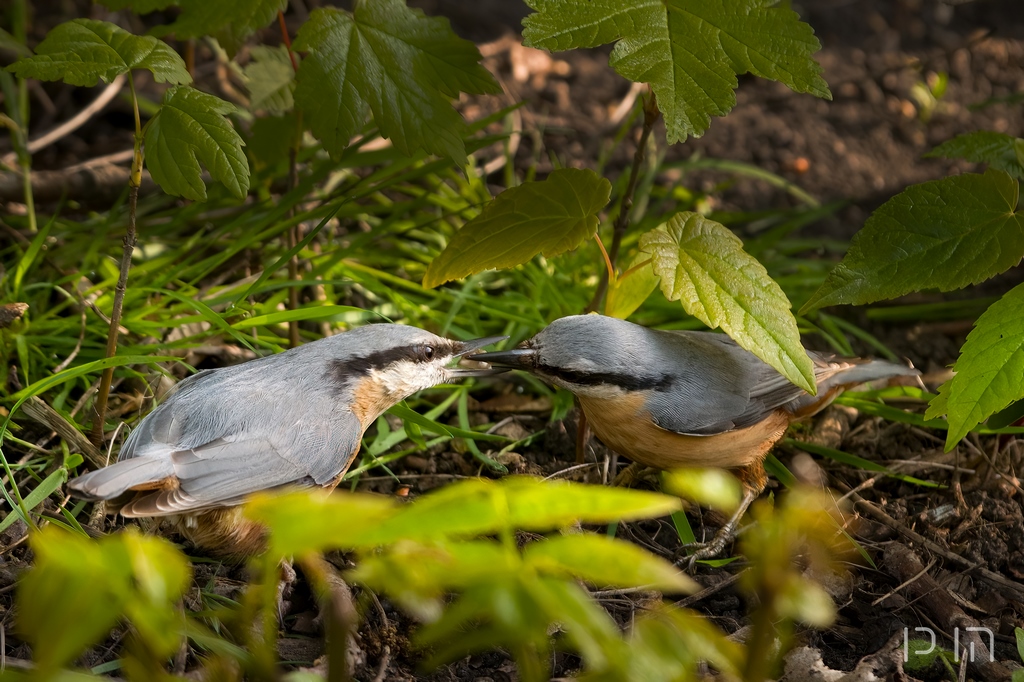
428	352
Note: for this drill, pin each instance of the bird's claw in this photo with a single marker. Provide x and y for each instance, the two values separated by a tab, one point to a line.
699	551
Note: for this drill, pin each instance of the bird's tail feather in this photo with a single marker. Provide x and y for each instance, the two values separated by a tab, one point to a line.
863	372
114	480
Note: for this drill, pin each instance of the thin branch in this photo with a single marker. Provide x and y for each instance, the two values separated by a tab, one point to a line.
651	114
127	249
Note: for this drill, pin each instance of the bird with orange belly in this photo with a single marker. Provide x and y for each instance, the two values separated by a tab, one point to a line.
671	399
291	419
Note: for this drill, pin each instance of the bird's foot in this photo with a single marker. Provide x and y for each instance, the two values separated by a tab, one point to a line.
699	551
635	473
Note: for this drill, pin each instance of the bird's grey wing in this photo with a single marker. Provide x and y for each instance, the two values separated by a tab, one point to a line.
229	433
223	471
722	387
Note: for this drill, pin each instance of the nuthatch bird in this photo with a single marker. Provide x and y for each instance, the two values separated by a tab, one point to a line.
670	399
295	418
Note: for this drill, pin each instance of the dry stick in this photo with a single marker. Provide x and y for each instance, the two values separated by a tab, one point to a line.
651	114
127	248
293	181
989	576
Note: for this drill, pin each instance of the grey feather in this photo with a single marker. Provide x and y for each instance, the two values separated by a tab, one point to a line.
698	383
228	432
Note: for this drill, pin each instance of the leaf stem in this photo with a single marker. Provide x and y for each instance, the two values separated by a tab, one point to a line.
127	249
607	260
651	114
638	266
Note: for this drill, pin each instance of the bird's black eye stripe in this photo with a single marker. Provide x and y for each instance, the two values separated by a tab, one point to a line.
342	371
630	382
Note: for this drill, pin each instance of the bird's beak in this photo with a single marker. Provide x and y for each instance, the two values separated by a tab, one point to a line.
467	348
517	358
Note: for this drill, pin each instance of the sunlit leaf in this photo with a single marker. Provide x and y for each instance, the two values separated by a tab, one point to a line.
806	601
688	50
83	51
542	505
311	521
190	128
606	562
549	217
713	488
89	583
944	235
702	264
990	370
629	291
416	575
998	150
394	61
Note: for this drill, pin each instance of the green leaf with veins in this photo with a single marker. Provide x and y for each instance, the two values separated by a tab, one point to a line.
394	61
990	370
1000	151
229	22
270	78
190	128
688	50
943	235
550	216
703	265
83	51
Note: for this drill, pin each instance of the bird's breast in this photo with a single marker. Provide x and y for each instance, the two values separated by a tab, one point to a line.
625	426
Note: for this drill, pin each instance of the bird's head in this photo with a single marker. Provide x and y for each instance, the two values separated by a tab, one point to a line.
397	360
590	355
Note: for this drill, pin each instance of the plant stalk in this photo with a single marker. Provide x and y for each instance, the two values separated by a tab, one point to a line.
127	249
651	114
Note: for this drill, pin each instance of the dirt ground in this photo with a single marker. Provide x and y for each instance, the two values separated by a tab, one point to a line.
864	147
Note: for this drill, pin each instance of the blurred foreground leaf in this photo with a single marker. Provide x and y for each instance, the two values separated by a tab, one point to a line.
86	585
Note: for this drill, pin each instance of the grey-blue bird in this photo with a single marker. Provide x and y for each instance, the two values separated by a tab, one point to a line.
670	399
295	418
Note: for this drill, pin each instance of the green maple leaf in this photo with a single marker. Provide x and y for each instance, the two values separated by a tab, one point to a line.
399	64
190	127
998	150
551	216
83	51
702	264
270	79
990	370
943	235
690	51
230	22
